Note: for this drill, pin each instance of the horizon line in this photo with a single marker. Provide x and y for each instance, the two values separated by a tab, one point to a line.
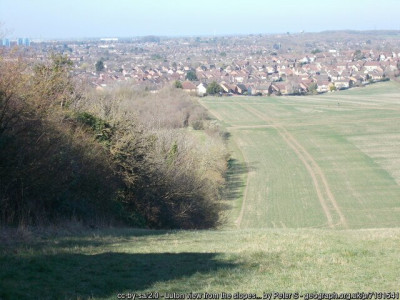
200	35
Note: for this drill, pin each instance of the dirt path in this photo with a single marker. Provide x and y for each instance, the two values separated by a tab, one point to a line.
321	185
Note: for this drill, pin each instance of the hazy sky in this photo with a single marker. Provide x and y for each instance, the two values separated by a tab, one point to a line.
125	18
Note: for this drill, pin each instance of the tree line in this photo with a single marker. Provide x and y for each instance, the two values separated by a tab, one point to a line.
117	156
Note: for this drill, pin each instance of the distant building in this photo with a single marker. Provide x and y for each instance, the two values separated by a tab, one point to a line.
202	89
20	41
189	87
109	39
6	43
27	42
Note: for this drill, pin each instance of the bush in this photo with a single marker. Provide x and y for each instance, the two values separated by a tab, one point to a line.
312	89
117	156
198	125
171	180
99	66
214	88
51	169
178	84
191	75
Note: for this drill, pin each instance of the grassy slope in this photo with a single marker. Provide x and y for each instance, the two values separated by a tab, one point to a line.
363	129
106	263
349	141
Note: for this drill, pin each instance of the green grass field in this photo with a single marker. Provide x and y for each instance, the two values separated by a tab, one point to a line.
327	161
313	204
102	264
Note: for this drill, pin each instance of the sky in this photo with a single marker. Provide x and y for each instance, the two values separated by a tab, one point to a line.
48	19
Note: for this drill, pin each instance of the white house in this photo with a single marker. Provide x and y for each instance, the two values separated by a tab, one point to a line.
202	89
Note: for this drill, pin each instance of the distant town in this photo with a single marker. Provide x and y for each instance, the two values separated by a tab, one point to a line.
285	64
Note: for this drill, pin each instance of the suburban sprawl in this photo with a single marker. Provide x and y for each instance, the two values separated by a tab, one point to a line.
285	64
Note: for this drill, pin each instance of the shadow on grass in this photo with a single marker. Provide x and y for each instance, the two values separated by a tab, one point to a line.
79	236
102	237
234	179
71	276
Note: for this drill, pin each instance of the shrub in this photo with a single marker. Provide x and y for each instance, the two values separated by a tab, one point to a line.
178	84
198	125
214	88
51	169
118	156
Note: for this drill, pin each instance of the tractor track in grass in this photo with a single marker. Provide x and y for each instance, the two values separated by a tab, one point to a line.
321	185
238	221
291	125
